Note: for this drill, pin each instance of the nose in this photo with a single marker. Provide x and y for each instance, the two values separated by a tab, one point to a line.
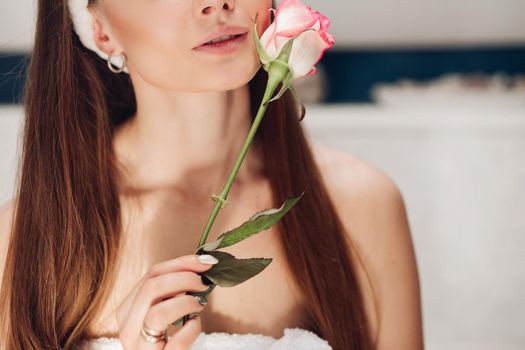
207	7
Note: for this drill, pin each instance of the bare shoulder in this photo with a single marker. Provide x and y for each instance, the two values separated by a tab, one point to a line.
372	210
6	220
349	172
6	214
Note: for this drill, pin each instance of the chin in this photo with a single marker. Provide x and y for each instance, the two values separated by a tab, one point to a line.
228	84
233	80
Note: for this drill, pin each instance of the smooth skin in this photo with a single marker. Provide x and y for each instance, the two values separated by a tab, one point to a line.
158	299
373	213
192	106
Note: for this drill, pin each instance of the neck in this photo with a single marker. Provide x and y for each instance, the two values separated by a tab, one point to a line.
187	141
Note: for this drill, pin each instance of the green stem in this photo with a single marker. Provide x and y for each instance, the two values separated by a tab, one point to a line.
275	75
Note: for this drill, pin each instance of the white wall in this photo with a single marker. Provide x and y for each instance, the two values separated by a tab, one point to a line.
11	119
360	23
17	24
372	23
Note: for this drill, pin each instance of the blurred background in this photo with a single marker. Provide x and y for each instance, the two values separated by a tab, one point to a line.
433	93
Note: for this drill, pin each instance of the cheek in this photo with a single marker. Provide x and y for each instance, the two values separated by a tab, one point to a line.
209	72
159	50
157	47
185	70
263	20
157	27
168	62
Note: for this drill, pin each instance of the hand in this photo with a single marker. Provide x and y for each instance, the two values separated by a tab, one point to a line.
158	299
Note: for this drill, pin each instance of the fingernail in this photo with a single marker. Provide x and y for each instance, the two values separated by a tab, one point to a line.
201	299
208	259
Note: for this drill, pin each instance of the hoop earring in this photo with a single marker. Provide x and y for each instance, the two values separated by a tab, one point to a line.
118	69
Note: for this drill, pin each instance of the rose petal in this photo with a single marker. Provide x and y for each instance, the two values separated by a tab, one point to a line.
324	24
268	40
293	17
280	41
307	50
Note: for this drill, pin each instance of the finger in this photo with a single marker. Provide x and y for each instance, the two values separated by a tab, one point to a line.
157	288
162	314
168	285
185	336
182	263
143	344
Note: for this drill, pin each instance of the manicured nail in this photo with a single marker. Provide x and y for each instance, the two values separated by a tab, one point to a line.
202	299
208	259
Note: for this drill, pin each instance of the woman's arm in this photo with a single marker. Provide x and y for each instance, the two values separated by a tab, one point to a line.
6	212
373	212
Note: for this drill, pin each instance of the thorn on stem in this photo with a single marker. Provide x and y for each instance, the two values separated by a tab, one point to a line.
216	198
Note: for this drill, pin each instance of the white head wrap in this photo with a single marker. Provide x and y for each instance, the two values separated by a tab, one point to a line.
83	25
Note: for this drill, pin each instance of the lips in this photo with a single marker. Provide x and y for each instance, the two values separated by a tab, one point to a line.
221	31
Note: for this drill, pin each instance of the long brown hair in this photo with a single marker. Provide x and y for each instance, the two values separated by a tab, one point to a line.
66	229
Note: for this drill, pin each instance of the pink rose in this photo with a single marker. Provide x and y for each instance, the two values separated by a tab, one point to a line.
308	28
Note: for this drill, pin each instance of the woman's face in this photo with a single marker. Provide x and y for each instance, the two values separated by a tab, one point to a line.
159	36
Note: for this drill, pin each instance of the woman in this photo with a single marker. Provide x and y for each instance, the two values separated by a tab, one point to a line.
114	186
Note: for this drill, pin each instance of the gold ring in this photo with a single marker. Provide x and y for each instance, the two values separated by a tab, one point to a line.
153	336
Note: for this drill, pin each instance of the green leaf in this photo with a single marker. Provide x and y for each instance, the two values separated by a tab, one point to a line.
263	55
298	100
258	222
266	67
286	83
221	256
230	271
286	51
210	246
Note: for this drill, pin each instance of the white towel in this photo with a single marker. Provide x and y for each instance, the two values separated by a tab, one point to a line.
293	339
